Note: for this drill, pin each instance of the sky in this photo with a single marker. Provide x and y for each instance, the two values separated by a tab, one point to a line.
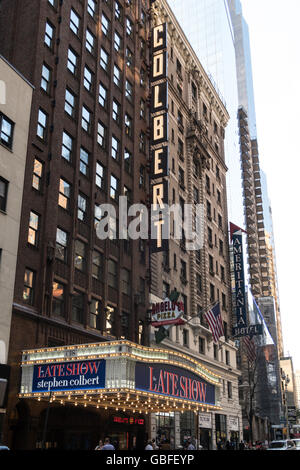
275	52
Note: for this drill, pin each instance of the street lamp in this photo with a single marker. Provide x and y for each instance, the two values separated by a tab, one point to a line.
286	381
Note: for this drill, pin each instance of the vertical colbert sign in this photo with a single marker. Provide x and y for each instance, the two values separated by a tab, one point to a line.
159	139
238	266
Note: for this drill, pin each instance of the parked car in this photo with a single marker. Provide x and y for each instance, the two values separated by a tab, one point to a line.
297	443
285	444
3	447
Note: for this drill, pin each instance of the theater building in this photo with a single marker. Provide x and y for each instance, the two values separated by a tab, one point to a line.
87	146
196	121
82	362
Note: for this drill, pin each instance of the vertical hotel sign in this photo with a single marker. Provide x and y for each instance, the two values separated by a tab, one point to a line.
159	139
239	277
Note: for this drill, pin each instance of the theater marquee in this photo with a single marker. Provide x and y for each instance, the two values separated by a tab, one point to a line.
119	375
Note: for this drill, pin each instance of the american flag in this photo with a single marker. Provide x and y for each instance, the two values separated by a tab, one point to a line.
250	348
214	318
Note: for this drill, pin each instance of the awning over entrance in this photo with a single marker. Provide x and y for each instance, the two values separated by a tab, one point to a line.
119	375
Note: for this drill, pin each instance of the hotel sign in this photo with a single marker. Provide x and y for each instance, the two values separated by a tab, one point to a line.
159	138
174	382
239	277
241	328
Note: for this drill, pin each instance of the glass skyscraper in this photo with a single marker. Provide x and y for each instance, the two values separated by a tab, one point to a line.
207	25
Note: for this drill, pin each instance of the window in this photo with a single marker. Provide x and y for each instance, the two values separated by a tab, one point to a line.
129	91
224	307
61	244
37	174
86	119
70	103
115	148
116	111
90	41
100	175
64	194
103	96
222	273
129	58
220	221
127	160
142	144
42	124
74	22
33	231
49	34
142	109
210	237
128	125
110	319
80	255
142	180
229	389
58	299
201	345
102	135
143	48
178	68
84	162
118	11
91	7
88	79
112	274
199	283
212	292
166	290
117	42
211	264
221	247
97	215
126	285
124	325
6	131
82	208
129	27
227	357
67	146
114	187
77	307
185	338
46	78
180	149
97	263
181	177
183	270
215	351
117	76
104	59
105	25
142	77
95	309
72	61
28	290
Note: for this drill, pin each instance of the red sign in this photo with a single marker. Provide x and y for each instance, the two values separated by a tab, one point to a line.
131	420
167	313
